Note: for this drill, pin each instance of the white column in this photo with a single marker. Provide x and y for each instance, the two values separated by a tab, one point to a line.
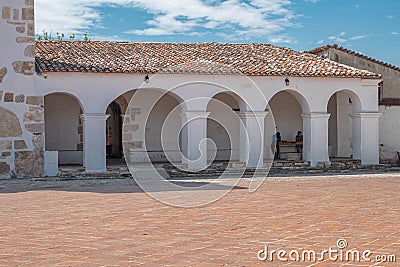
252	138
315	138
94	142
194	135
366	137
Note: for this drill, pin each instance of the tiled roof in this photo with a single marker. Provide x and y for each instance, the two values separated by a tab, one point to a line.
203	58
341	48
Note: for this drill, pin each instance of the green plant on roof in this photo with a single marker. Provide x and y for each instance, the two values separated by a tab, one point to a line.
86	37
60	36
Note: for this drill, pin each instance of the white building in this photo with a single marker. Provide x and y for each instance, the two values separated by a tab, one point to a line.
75	100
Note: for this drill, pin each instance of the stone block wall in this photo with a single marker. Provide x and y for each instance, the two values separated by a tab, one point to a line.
21	109
390	76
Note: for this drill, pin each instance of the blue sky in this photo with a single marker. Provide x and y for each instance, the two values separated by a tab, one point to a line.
371	27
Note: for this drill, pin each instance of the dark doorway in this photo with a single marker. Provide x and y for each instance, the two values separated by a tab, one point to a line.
114	131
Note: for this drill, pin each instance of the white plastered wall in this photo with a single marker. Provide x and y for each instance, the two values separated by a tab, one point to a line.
389	125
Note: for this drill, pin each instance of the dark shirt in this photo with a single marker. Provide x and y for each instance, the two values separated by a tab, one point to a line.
299	138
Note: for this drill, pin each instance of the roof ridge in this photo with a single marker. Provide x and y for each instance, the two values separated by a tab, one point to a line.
352	52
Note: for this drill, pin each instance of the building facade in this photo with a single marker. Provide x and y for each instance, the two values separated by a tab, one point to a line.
389	93
77	102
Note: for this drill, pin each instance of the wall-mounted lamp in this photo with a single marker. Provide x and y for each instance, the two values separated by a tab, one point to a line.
287	82
147	78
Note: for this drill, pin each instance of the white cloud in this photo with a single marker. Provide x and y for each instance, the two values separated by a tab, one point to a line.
395	33
390	17
358	37
340	38
70	16
244	19
311	1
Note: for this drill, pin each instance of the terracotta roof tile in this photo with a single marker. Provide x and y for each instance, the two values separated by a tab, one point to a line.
341	48
203	58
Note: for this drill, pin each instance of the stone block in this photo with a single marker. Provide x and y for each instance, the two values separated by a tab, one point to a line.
5	145
5	154
16	14
3	73
9	124
133	145
36	109
4	170
24	67
79	147
9	97
29	51
127	136
38	142
25	39
34	116
31	30
321	164
19	98
327	164
135	111
35	127
6	12
34	100
131	128
20	29
27	14
127	119
29	2
20	144
29	163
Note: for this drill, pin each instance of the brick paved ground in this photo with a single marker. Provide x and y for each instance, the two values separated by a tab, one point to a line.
113	223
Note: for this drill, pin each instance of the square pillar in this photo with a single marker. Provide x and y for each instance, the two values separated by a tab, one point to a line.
315	138
366	137
252	138
94	142
194	143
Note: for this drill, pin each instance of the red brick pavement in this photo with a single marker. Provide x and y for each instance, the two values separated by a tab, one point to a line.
112	223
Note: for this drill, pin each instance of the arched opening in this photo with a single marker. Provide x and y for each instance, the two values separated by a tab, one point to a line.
286	107
223	127
163	127
341	106
63	128
144	123
114	131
